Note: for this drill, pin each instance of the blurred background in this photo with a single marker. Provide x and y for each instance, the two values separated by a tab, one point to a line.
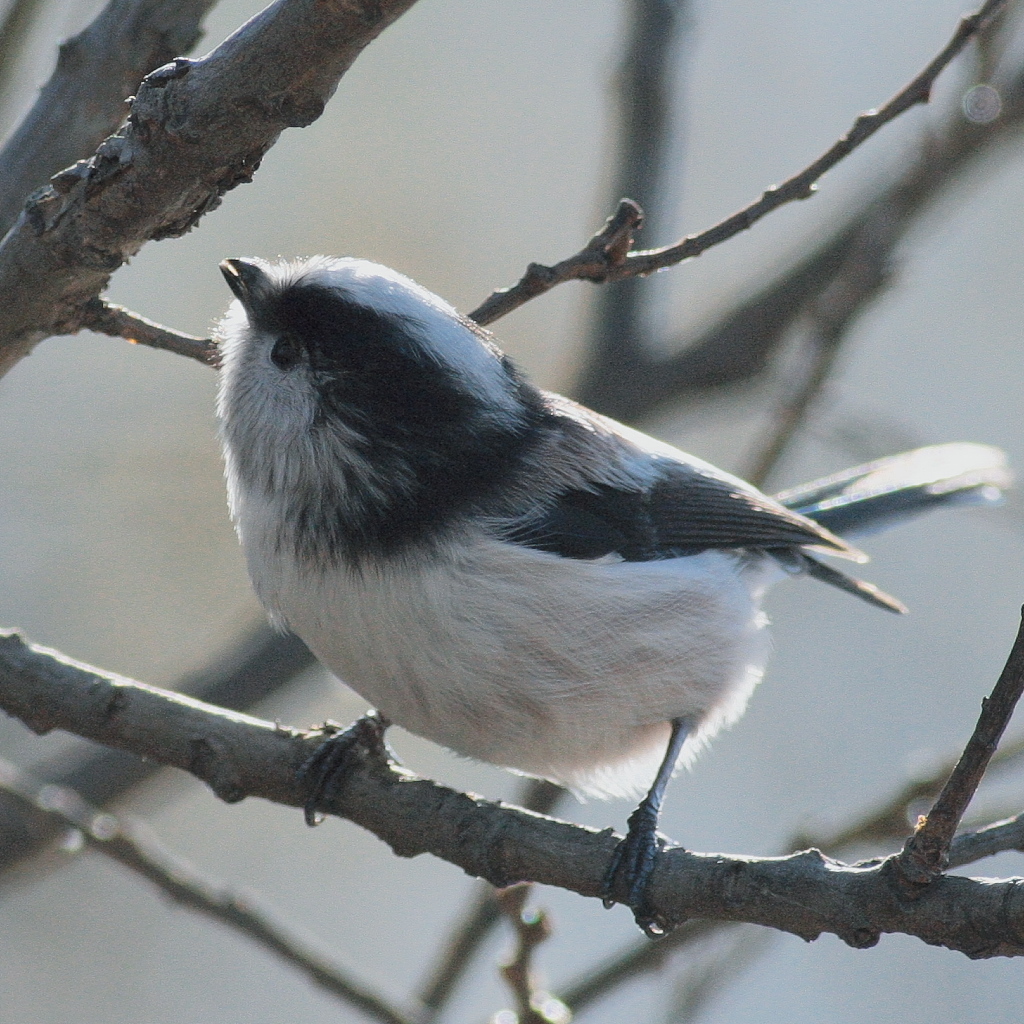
470	139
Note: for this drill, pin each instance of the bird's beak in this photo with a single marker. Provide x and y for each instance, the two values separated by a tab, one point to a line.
247	279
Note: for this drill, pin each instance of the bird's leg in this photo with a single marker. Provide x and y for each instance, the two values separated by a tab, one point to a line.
325	772
632	864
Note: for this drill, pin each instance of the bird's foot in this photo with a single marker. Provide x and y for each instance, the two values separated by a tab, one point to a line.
629	874
325	773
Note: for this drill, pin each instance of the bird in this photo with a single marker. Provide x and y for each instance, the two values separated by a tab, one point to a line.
501	570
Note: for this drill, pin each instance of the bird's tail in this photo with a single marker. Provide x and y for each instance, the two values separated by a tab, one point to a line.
871	497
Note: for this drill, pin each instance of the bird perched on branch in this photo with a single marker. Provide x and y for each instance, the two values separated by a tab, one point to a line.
499	569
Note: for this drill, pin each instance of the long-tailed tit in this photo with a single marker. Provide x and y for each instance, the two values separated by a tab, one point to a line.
499	569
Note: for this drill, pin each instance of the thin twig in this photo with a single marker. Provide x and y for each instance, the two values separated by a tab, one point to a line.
593	264
999	837
925	854
607	248
480	917
531	928
132	844
107	318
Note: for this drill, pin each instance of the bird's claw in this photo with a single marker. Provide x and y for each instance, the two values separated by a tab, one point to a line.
325	772
628	877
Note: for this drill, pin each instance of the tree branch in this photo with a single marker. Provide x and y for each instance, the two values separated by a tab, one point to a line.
999	837
593	264
607	247
196	129
480	917
118	322
238	756
84	100
924	857
131	844
256	664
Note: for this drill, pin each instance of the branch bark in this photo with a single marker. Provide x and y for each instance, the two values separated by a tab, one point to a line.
196	129
926	853
256	664
133	845
595	266
84	100
238	755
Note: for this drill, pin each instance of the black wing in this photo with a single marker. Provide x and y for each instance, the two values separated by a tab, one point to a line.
684	511
682	514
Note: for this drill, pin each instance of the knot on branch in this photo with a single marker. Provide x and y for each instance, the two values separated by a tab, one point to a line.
609	247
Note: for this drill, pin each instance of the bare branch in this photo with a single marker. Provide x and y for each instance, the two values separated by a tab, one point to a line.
84	100
601	267
480	917
132	844
1000	836
802	184
118	322
607	248
886	824
238	756
197	128
924	857
531	928
254	665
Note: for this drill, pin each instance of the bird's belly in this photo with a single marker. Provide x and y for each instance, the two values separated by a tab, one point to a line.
562	668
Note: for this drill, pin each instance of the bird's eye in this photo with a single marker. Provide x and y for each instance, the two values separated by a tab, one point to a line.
287	352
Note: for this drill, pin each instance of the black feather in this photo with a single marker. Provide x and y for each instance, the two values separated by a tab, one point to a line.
685	511
431	448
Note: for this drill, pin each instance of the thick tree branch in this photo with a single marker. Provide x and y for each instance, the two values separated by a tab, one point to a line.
592	264
257	663
131	844
84	100
887	824
196	130
237	756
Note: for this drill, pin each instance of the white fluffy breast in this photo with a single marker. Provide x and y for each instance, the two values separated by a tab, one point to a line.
562	668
